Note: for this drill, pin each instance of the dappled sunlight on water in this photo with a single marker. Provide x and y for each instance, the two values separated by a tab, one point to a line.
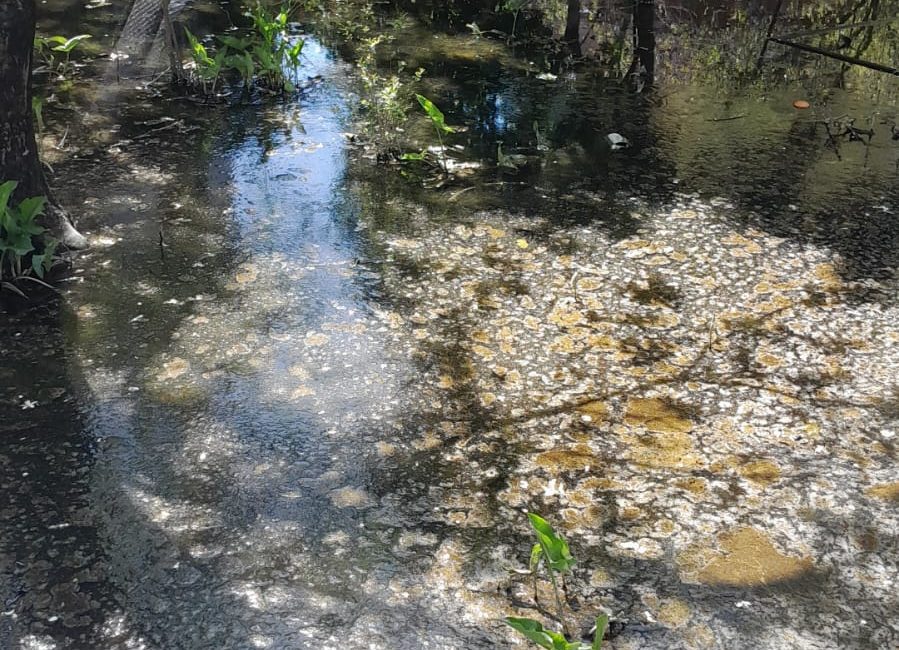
295	399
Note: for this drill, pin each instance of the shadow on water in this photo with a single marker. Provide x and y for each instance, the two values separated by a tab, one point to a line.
718	128
207	524
207	465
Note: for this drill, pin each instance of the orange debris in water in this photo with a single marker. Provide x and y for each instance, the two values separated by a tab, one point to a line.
801	104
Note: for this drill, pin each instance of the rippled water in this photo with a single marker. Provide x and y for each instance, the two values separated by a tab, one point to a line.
233	429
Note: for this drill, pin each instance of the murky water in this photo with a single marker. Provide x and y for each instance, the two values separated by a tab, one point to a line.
290	399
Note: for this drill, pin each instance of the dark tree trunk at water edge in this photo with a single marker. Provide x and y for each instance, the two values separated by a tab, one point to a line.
572	36
19	159
645	38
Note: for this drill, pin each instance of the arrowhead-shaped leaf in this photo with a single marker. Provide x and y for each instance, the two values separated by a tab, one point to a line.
435	114
558	555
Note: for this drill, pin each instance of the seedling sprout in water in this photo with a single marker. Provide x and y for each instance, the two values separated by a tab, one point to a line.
553	552
440	127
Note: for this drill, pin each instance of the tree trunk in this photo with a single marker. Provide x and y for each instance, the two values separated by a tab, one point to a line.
572	36
645	38
19	160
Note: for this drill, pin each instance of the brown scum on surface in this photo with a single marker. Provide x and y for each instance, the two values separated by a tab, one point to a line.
744	557
656	415
886	491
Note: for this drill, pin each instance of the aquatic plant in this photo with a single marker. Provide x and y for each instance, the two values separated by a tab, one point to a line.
272	48
553	552
384	99
18	230
47	48
267	56
438	121
207	69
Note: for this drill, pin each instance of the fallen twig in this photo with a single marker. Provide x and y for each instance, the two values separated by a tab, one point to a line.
726	119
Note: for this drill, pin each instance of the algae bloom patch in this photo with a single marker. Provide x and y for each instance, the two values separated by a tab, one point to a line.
656	415
887	491
747	558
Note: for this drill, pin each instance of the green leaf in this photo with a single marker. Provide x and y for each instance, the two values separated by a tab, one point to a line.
30	208
558	555
19	243
293	53
37	108
532	630
602	621
198	51
70	44
412	156
37	264
6	190
435	114
536	552
239	44
244	65
46	40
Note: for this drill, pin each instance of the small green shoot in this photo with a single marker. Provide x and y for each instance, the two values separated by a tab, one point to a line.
554	548
602	622
556	556
553	551
439	122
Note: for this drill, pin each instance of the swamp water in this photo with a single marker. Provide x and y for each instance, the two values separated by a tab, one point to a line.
291	399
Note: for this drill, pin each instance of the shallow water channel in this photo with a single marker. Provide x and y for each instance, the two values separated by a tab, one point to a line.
292	399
